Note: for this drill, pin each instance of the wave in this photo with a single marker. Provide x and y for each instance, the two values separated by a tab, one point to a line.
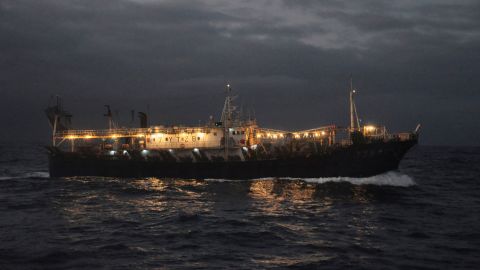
396	179
387	179
26	175
224	180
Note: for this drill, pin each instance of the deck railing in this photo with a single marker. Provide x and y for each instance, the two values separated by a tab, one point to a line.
126	132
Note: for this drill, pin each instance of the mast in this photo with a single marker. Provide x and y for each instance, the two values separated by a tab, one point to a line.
226	120
353	109
352	123
55	121
59	119
109	116
356	114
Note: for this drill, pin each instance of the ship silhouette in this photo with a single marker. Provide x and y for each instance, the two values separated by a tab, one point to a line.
233	148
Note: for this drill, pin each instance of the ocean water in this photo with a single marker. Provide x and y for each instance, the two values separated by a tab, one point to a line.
426	215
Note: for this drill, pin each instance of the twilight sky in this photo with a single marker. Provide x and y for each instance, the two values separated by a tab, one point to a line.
412	62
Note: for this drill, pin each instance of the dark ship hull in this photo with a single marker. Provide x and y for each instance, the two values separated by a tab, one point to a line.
357	160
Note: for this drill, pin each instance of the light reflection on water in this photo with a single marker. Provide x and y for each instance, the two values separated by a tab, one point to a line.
296	190
277	208
271	196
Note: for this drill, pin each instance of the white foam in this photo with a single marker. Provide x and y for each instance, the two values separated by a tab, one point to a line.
220	180
387	179
37	175
240	180
27	175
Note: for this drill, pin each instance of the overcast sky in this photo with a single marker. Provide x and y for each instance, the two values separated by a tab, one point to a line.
412	62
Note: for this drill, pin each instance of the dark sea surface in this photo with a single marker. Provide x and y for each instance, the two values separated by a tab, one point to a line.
424	216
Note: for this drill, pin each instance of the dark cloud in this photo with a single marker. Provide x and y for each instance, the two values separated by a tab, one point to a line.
412	61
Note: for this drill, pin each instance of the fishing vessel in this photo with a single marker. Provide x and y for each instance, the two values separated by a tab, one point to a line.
235	147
